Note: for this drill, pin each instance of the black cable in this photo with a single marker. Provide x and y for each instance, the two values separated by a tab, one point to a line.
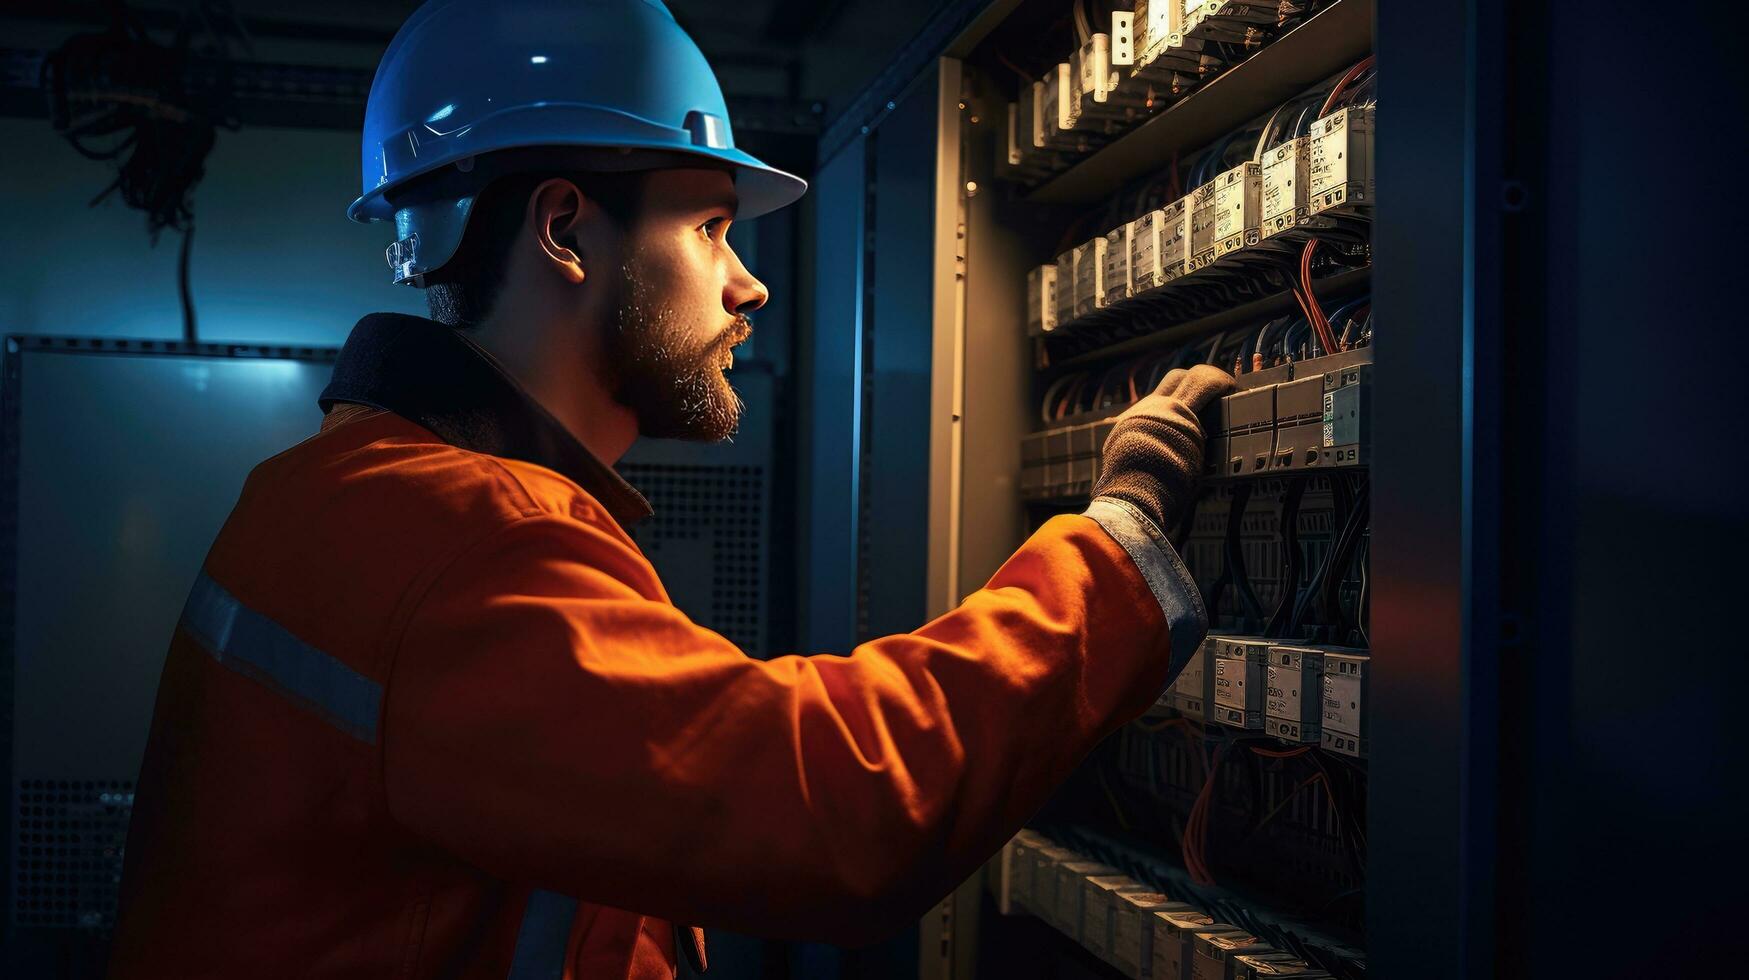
1253	609
1330	599
1290	546
1362	607
1339	494
1186	525
189	333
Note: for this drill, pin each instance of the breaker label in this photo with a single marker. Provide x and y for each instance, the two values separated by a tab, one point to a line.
1342	703
1283	697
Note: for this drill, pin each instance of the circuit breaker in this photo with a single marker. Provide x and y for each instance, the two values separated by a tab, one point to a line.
1088	261
1341	170
1286	189
1117	264
1248	426
1158	246
1347	415
1344	716
1238	681
1293	709
1238	208
1204	213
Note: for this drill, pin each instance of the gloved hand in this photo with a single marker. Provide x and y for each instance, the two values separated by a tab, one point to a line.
1153	456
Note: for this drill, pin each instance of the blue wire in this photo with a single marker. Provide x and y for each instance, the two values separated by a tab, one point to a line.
1342	313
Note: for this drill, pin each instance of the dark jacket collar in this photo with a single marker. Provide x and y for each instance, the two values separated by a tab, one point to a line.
433	375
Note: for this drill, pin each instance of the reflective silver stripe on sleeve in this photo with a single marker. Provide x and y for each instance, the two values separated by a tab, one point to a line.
541	940
1162	569
257	647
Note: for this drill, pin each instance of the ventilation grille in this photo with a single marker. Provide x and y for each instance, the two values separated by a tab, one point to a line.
66	861
708	543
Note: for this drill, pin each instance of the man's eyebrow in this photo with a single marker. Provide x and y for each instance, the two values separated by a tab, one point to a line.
712	201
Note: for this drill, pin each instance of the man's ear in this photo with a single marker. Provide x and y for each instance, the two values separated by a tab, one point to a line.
557	211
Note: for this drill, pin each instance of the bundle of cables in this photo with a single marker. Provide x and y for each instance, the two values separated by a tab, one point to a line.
117	96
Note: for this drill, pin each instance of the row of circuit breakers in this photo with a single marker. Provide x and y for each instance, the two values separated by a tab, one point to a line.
1134	927
1299	693
1115	79
1288	419
1304	185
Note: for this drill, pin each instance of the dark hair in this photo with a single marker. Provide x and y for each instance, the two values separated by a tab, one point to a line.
461	293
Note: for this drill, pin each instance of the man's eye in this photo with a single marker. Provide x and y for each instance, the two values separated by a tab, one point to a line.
713	228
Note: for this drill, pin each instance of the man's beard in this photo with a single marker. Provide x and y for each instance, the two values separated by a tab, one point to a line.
676	391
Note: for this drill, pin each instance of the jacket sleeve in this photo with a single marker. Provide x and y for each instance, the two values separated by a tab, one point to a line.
551	723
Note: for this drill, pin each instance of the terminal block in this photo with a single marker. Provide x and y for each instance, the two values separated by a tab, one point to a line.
1293	707
1213	955
1132	929
1097	894
1245	22
1052	129
1239	663
1025	160
1047	859
1099	69
1065	264
1071	876
1155	23
1202	226
1238	208
1266	966
1117	264
1089	264
1173	933
1041	300
1341	170
1344	715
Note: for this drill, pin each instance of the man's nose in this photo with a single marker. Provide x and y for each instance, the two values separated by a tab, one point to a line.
744	293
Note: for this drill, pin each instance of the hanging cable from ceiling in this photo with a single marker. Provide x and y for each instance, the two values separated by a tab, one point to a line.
118	96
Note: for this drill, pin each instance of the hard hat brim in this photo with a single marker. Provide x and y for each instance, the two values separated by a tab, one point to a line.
760	187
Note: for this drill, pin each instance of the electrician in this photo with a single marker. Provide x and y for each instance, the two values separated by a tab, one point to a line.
429	712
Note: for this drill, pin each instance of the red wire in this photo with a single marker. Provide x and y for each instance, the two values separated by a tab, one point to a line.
1348	76
1320	322
1273	754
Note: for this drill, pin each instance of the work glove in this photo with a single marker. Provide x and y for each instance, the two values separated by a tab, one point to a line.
1153	457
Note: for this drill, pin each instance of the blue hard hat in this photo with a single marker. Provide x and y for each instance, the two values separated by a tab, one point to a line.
615	84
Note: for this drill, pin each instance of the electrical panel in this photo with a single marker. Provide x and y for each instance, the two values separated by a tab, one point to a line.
1149	216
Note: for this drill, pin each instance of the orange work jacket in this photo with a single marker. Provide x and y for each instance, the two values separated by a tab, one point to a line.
429	713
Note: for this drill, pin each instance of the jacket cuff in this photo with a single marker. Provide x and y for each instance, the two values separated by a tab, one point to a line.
1180	602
